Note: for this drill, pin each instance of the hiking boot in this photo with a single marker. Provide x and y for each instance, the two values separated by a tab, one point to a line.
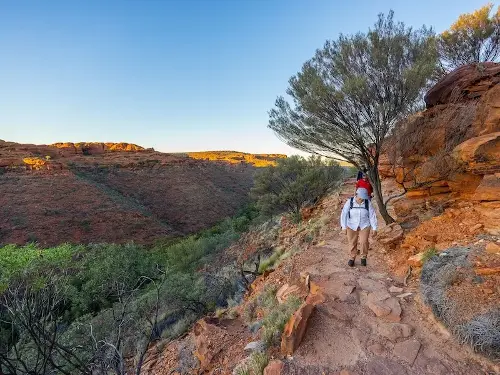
363	262
350	263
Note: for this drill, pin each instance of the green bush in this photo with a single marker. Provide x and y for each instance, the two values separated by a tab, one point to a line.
159	290
294	183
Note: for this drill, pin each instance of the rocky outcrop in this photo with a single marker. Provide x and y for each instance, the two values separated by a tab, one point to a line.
95	148
296	327
451	151
468	81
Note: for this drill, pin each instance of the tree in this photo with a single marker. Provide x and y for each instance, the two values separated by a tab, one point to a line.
473	38
294	183
349	96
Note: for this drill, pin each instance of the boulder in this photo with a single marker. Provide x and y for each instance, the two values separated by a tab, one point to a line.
461	82
205	347
296	326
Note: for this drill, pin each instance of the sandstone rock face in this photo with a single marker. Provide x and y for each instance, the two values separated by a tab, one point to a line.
466	81
203	332
480	155
489	188
447	155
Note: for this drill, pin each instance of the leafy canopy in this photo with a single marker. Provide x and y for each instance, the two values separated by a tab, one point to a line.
473	38
294	183
350	94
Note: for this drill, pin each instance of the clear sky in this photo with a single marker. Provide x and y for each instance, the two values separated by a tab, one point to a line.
183	75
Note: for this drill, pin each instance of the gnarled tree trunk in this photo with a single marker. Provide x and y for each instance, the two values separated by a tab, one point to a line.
377	191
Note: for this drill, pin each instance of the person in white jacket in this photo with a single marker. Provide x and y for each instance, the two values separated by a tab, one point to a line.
357	218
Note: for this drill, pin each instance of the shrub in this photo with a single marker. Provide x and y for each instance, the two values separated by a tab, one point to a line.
429	253
473	38
294	183
274	322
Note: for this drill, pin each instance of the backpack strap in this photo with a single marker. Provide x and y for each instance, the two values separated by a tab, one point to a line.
351	205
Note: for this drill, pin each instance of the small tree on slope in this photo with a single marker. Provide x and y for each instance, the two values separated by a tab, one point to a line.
350	95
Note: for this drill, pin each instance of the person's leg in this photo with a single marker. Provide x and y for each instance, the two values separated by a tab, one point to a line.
363	240
352	238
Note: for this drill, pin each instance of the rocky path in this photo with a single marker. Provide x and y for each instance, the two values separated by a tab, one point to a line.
372	324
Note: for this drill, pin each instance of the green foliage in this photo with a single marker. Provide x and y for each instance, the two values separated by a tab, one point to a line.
257	363
473	38
429	253
271	261
294	183
274	321
101	285
275	315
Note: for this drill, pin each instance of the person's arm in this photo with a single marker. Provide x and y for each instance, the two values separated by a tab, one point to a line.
373	217
343	216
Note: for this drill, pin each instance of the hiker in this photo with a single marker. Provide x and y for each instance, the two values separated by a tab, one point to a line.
359	176
364	182
357	218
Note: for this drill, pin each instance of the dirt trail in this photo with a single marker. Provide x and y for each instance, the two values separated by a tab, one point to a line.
344	333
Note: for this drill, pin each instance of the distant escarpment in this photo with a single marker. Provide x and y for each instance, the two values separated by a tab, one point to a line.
112	192
257	160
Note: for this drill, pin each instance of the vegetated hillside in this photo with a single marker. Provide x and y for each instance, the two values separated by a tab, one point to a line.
257	160
108	192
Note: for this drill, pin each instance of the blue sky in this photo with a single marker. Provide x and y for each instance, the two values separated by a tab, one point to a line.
184	75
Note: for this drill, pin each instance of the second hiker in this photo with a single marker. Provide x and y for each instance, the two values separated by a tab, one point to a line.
357	218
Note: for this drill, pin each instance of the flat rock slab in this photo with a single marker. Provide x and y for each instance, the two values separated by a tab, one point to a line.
394	331
407	350
395	289
370	285
384	366
395	314
377	275
337	310
359	337
337	289
378	295
376	349
378	308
